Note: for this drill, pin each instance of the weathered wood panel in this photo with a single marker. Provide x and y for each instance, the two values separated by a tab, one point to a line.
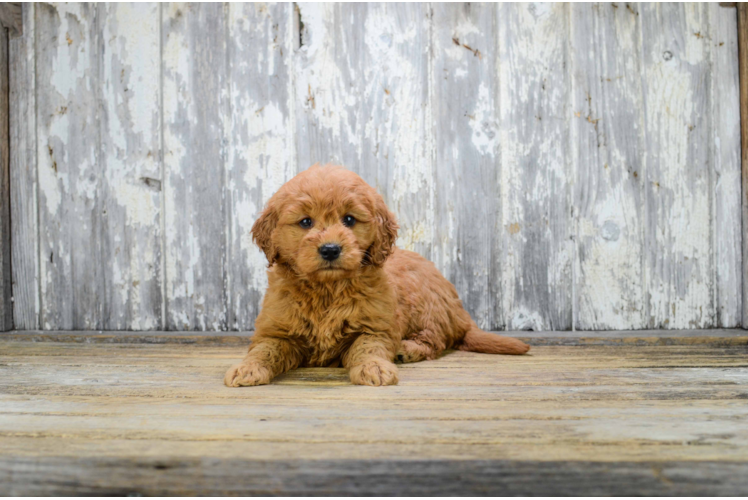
466	138
536	272
362	99
195	105
72	271
361	477
99	173
130	149
743	74
6	289
724	113
607	152
23	176
565	166
626	419
677	84
261	154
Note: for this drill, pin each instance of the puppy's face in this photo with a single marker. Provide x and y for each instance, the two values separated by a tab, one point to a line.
327	224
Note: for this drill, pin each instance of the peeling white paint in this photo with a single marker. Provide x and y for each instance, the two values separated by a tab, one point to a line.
677	270
322	90
536	262
465	130
607	165
71	51
49	182
130	148
484	134
261	157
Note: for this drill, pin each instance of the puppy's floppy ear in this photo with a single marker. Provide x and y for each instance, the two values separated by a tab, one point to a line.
262	232
385	236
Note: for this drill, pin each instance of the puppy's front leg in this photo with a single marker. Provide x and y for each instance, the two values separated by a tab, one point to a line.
267	358
369	360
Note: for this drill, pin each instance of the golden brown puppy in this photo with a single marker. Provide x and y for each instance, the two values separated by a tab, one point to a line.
341	293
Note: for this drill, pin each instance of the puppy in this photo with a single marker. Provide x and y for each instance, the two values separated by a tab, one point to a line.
340	293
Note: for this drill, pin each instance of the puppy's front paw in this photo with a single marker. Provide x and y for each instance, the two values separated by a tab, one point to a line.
374	372
245	374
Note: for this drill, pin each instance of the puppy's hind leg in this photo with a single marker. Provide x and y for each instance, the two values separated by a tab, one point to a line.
420	346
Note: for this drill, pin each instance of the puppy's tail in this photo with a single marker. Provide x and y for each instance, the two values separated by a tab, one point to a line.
476	340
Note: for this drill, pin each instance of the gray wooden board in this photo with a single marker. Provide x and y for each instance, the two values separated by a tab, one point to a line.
727	229
23	176
195	104
535	116
466	139
99	169
261	154
6	289
217	476
676	86
71	223
578	174
607	142
130	145
743	76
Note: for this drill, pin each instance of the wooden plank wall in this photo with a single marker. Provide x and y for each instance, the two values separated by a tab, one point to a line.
23	179
11	25
565	166
743	71
6	292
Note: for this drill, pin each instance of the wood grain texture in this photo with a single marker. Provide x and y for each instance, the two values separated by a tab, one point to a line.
466	139
535	166
727	228
743	76
23	176
39	477
607	152
130	152
72	271
362	99
261	154
195	105
157	419
6	278
677	85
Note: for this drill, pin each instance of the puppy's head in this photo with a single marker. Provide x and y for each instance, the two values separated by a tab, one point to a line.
327	224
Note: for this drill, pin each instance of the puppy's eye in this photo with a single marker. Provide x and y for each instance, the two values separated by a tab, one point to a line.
306	223
349	221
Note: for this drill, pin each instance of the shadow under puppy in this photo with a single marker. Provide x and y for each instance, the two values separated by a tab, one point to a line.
341	293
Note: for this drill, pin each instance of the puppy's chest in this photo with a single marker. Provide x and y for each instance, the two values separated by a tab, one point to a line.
329	331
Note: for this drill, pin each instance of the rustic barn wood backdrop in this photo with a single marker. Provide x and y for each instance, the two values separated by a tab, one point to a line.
565	166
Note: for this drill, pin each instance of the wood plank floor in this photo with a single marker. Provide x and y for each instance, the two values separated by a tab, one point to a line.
622	416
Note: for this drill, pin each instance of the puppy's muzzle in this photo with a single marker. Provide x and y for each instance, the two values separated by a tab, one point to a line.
329	251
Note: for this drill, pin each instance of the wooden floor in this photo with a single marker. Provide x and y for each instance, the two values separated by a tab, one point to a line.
644	413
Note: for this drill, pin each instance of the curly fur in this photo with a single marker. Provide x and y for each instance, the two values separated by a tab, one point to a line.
374	304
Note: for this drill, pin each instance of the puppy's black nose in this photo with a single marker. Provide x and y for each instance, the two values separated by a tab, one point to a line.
329	251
